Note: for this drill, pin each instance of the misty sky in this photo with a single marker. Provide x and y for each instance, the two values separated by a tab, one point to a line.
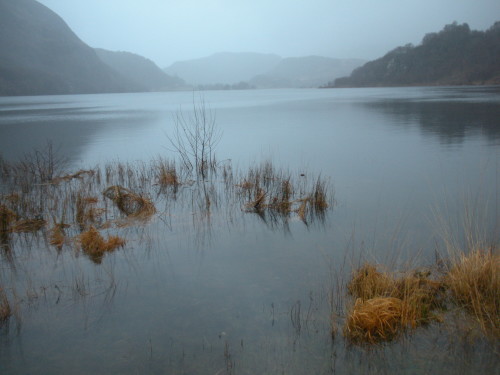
171	30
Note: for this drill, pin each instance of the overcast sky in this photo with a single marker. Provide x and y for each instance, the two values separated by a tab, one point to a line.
170	30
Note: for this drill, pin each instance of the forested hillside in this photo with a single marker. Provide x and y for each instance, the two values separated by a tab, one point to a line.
456	55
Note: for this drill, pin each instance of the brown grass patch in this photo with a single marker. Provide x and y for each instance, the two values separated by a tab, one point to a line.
57	236
474	283
5	309
7	217
367	282
80	174
94	244
28	225
373	320
418	297
130	203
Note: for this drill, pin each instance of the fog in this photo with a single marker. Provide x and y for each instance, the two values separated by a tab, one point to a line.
171	30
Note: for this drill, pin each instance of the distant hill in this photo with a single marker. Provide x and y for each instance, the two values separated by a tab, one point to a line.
39	54
223	68
140	70
454	56
310	71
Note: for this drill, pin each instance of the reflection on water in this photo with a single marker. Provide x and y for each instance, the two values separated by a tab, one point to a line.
216	289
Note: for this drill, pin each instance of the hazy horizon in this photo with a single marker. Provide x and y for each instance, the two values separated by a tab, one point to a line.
168	31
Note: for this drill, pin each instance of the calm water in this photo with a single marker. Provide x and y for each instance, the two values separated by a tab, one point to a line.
189	296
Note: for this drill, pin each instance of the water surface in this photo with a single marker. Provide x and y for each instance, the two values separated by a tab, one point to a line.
232	293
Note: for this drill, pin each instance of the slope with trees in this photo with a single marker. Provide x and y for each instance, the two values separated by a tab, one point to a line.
456	55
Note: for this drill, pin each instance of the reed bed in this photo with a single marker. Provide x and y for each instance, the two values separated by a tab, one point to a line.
266	189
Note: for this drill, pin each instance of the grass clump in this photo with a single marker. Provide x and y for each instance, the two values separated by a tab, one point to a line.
94	244
7	217
28	225
474	284
130	203
5	309
387	304
374	319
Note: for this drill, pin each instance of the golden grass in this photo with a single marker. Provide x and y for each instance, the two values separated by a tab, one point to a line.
474	283
28	225
7	217
367	282
94	244
5	309
57	236
375	319
130	203
413	295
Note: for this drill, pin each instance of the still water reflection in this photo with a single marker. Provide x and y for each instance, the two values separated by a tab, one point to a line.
228	293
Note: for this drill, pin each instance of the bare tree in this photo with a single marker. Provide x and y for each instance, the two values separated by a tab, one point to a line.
195	137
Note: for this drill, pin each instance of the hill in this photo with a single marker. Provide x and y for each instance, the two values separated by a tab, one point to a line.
310	71
139	69
454	56
40	54
223	68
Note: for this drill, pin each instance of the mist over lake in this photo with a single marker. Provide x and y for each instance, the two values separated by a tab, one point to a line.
233	291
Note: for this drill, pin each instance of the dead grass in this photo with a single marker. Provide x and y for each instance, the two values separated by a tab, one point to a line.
130	203
375	319
57	237
367	282
474	283
28	225
413	295
94	244
5	309
7	217
166	173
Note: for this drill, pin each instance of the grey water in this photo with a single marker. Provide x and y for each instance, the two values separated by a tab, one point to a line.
232	294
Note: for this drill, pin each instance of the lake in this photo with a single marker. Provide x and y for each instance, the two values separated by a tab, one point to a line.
230	291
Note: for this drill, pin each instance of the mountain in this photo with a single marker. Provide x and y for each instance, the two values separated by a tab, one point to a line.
310	71
223	68
454	56
40	54
139	69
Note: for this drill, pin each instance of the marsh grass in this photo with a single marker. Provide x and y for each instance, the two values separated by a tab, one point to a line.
388	303
268	190
473	280
95	246
130	203
5	309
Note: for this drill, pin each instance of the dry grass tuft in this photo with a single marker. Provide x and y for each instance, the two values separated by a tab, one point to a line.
7	217
57	236
28	225
375	319
5	309
367	282
167	175
79	175
474	283
94	244
417	297
130	203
